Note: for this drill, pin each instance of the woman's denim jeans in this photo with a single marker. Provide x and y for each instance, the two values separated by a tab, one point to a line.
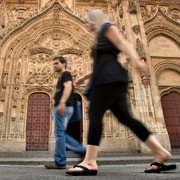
62	139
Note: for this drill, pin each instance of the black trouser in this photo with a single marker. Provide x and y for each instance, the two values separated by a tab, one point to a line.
111	96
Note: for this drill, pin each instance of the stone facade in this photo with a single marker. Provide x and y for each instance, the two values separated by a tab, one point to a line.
32	32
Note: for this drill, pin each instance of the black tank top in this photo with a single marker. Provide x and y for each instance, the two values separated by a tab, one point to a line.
106	68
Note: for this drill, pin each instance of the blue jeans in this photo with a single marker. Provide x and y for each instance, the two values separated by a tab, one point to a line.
62	139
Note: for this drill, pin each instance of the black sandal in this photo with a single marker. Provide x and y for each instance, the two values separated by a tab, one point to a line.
160	168
85	171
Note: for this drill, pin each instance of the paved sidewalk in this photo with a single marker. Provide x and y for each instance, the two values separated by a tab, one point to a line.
108	158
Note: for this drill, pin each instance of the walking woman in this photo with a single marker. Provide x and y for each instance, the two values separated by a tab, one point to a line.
109	91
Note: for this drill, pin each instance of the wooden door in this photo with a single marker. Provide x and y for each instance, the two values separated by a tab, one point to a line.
38	121
171	110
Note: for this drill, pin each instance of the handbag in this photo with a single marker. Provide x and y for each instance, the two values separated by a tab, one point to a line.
77	114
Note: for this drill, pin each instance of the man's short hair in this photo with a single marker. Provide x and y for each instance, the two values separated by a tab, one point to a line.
61	60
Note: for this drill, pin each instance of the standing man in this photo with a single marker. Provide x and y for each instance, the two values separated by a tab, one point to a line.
62	112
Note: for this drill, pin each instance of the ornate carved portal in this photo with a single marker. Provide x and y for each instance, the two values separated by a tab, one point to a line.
33	32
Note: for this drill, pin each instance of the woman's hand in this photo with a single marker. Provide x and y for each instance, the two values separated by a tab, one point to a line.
142	68
79	81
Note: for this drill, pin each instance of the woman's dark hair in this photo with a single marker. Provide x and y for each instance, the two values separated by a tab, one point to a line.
61	60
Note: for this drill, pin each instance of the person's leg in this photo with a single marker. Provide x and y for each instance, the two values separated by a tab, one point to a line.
160	154
71	143
120	110
100	101
59	133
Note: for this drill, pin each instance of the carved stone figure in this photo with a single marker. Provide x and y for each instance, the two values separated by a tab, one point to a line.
139	48
136	29
132	7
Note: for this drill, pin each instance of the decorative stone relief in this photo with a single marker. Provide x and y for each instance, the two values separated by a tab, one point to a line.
2	20
16	15
136	29
83	7
92	2
174	13
115	12
121	12
149	11
144	13
2	94
15	95
4	80
17	76
40	71
115	3
153	9
65	5
145	81
132	7
131	94
38	50
56	13
110	130
140	48
2	16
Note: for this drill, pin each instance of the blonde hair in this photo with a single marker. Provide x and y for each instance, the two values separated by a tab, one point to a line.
97	18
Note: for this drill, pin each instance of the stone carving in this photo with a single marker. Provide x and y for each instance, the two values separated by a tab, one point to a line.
65	5
17	78
92	2
2	94
153	9
56	13
144	13
136	29
145	81
2	16
15	95
115	3
40	50
131	95
4	80
132	7
175	13
14	16
139	48
121	12
40	71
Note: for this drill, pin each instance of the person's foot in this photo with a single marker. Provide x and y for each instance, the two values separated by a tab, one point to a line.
82	169
160	168
54	165
159	158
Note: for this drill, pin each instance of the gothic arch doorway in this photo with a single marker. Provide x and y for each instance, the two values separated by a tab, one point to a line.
171	110
38	121
75	128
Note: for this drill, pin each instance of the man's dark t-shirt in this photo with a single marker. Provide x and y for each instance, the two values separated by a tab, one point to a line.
64	77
